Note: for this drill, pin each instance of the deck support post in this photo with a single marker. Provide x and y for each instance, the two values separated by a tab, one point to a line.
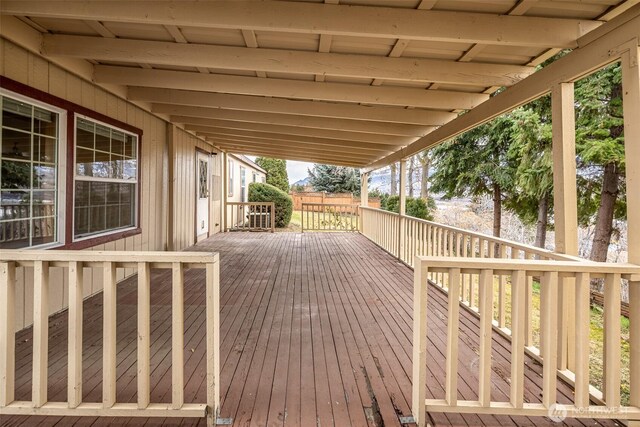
565	206
419	382
402	191
364	197
225	190
631	107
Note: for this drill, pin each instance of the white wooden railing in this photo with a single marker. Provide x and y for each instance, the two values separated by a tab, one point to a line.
250	216
517	272
76	262
405	237
329	217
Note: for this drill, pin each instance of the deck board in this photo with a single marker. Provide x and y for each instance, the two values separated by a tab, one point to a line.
316	329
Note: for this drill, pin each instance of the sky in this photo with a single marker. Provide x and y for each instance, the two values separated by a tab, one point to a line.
295	170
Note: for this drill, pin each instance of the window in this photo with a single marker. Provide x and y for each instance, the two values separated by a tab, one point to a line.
243	184
230	171
255	177
105	179
29	171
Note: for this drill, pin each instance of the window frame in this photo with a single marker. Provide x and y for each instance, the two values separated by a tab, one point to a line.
71	109
74	175
230	178
61	164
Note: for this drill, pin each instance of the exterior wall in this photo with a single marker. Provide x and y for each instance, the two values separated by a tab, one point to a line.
29	69
184	146
250	168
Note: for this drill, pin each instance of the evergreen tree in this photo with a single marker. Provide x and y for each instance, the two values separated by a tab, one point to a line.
475	164
601	162
334	179
276	172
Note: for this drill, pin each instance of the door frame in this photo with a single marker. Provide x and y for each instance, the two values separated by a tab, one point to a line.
210	154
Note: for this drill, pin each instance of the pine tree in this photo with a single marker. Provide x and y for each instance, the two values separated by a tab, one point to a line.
475	164
276	172
334	179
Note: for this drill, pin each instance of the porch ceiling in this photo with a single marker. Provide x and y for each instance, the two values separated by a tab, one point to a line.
341	81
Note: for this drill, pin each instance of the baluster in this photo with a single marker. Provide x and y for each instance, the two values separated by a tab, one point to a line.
109	336
634	339
549	330
420	296
76	294
144	334
612	353
486	316
502	306
213	335
518	280
40	332
177	336
453	312
528	308
583	329
7	332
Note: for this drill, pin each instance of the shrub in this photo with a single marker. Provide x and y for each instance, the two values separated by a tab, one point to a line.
259	192
416	207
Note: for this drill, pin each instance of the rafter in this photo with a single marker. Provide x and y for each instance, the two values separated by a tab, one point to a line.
274	135
300	147
283	61
361	21
288	106
294	130
293	120
383	95
621	33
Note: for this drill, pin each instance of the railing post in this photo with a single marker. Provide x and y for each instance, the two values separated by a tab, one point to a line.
420	289
403	207
177	336
109	335
631	107
74	385
212	308
40	332
7	332
565	212
144	334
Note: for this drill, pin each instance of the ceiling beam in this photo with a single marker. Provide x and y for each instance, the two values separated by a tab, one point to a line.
285	146
271	135
616	37
283	61
294	130
284	88
344	20
338	147
293	120
288	106
252	151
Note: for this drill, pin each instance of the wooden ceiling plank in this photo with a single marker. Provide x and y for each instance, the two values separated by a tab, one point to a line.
300	144
293	120
286	155
361	21
329	110
300	147
275	134
284	61
322	91
575	65
99	28
295	130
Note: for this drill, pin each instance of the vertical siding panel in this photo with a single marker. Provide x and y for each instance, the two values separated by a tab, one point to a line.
38	73
74	89
57	82
88	95
16	63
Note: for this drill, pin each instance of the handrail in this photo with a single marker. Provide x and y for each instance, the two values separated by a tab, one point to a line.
551	273
75	263
250	216
329	217
522	246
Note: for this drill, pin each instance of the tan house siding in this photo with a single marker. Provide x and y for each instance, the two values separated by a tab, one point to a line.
184	188
29	69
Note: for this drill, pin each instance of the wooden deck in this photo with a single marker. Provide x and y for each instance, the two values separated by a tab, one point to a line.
316	330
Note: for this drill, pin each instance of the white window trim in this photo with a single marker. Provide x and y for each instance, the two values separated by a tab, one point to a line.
61	165
97	179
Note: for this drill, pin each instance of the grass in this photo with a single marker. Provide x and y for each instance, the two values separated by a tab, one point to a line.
596	350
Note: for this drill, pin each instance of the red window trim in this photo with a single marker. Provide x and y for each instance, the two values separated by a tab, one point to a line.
72	111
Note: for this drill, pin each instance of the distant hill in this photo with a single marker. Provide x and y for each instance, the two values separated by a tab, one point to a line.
302	182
